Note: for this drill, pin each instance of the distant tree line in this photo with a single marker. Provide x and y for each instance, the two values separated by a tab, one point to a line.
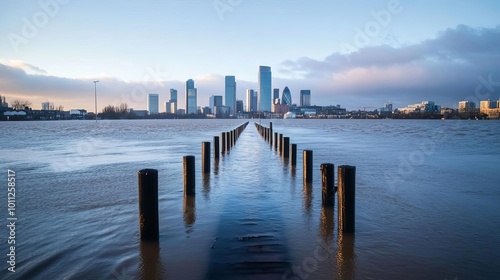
117	112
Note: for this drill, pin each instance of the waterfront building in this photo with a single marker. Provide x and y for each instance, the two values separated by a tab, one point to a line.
286	97
466	107
239	106
230	94
424	107
486	105
191	98
251	101
264	93
276	93
305	97
153	103
213	101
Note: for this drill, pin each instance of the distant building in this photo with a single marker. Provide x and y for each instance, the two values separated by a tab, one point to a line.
206	110
47	106
281	109
305	97
239	106
78	113
153	103
230	94
181	112
213	101
221	112
191	98
424	107
251	101
173	101
486	105
286	97
168	107
466	107
265	86
276	93
139	113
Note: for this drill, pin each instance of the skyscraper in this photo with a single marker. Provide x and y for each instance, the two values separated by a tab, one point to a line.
153	103
239	106
191	98
214	101
305	97
230	94
276	95
286	98
251	100
264	95
172	102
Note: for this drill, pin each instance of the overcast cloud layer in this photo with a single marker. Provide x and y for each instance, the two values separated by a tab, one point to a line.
446	69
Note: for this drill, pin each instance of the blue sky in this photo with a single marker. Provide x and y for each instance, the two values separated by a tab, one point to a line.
353	53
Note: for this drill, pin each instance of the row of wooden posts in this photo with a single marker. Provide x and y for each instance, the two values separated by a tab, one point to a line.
346	177
148	181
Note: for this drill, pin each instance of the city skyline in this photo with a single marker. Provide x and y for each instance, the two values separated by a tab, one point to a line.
355	55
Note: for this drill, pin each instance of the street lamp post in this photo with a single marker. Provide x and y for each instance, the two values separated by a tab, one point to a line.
95	99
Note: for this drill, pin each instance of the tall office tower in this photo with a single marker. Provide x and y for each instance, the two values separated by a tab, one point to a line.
251	101
230	94
276	94
264	95
214	101
168	107
239	106
153	103
191	98
173	101
286	98
305	97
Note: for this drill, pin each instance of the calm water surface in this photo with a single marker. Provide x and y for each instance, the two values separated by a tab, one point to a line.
427	201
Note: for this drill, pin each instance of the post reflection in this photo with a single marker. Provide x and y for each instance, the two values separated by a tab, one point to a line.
150	266
307	194
206	186
189	212
326	224
216	166
345	256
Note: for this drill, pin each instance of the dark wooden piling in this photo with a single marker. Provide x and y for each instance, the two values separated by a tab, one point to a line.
216	147
148	205
346	197
286	147
307	164
189	175
223	142
276	141
327	184
280	144
205	157
228	138
294	154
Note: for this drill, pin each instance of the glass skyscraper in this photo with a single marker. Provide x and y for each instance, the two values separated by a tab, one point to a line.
191	96
305	97
230	94
286	98
153	103
264	93
251	101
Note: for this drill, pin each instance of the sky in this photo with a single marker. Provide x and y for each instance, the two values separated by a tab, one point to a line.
353	53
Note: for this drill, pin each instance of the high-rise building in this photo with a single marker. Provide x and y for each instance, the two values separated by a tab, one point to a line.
239	106
191	98
173	95
230	94
276	94
485	105
286	98
466	107
153	103
168	107
305	97
264	94
214	101
251	100
172	106
47	106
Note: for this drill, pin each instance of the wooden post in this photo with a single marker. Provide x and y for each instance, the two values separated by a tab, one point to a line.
223	142
189	175
228	138
280	143
205	157
271	133
276	141
346	197
216	147
327	183
286	147
148	204
294	154
307	165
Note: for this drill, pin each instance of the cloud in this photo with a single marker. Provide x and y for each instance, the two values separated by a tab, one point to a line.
444	69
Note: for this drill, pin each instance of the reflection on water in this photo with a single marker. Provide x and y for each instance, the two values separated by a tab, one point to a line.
151	265
189	211
206	186
308	198
326	224
346	261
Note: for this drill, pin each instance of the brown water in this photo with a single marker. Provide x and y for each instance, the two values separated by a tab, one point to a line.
427	201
